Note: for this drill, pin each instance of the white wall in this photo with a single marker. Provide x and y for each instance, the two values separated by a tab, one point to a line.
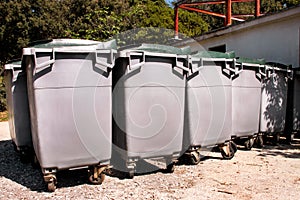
275	38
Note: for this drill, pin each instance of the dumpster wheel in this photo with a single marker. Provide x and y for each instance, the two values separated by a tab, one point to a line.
51	181
51	186
170	168
260	141
249	143
228	150
276	138
97	175
194	158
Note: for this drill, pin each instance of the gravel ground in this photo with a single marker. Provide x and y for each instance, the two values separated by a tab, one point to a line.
269	173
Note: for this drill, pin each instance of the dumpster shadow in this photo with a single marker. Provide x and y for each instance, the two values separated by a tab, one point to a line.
274	113
12	168
30	177
143	167
281	150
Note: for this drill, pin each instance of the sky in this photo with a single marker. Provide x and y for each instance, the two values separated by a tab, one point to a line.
168	1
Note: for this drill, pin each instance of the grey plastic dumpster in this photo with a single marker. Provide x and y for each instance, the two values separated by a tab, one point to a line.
246	100
292	126
208	120
70	106
148	105
18	109
274	100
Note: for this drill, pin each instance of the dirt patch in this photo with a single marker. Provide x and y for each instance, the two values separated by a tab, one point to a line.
269	173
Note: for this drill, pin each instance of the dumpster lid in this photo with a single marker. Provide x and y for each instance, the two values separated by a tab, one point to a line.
214	54
250	61
278	66
158	48
56	43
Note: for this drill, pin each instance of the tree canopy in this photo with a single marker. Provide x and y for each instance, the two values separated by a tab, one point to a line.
22	22
26	21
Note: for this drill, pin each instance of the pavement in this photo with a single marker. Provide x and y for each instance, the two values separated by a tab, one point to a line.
4	131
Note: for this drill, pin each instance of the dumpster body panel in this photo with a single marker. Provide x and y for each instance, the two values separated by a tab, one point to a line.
273	105
148	105
70	105
296	103
209	96
18	107
246	92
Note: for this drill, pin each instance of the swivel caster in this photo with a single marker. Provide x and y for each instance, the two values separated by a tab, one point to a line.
97	175
170	168
260	141
51	181
228	150
249	143
194	158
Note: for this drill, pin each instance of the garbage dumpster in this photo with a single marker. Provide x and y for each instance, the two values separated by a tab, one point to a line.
70	106
274	100
246	100
18	109
148	105
292	126
208	104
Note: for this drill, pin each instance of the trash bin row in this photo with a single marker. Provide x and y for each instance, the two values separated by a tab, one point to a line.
77	103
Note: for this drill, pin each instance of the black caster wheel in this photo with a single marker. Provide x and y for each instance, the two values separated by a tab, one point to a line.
130	174
290	138
51	186
276	138
260	141
170	168
51	181
249	143
98	180
228	155
194	158
97	175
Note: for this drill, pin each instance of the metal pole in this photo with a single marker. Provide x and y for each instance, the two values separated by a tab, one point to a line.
176	22
228	20
257	8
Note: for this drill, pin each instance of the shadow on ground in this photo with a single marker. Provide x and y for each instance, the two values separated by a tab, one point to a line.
28	176
281	150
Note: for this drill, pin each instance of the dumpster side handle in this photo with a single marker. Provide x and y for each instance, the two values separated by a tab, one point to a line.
43	64
132	67
106	64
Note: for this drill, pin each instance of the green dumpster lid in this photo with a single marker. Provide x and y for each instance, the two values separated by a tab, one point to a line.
54	43
251	61
164	49
214	54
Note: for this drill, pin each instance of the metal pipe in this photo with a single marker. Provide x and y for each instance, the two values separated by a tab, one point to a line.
228	20
176	21
257	8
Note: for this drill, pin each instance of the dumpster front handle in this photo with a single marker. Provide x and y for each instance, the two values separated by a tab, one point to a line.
290	73
45	64
237	70
194	70
229	67
106	64
138	65
264	74
180	67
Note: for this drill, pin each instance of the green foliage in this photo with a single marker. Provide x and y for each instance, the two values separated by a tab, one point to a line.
2	95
